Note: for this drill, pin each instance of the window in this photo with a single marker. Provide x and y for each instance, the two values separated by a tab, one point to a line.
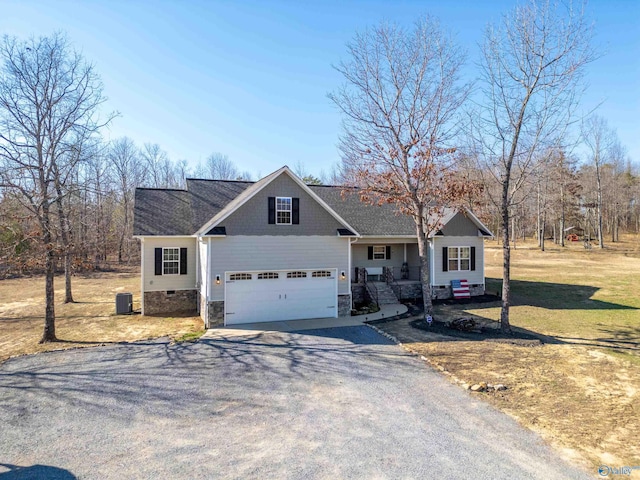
296	274
321	273
240	276
459	258
170	261
268	275
283	210
379	252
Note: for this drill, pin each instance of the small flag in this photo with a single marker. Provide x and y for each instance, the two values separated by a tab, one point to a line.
460	289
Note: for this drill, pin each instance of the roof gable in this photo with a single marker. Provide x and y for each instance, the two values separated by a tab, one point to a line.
459	225
254	189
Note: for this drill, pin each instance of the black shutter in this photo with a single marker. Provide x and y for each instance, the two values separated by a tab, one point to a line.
272	210
445	259
158	261
388	255
183	261
295	211
473	258
370	253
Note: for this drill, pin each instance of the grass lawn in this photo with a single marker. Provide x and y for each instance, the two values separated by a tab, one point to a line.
581	389
91	321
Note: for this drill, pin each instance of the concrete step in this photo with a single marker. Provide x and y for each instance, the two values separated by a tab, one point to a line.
385	294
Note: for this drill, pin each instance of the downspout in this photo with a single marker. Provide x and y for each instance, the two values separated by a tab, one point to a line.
209	282
142	252
432	246
198	290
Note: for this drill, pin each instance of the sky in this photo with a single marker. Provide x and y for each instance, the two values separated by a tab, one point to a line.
250	79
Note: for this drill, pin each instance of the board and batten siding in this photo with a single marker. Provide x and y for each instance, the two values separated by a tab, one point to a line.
473	277
158	283
270	253
252	217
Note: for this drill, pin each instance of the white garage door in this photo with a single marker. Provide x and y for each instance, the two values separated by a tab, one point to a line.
267	296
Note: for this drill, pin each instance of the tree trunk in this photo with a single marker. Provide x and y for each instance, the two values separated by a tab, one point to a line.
506	260
68	296
66	244
425	275
599	203
49	333
562	224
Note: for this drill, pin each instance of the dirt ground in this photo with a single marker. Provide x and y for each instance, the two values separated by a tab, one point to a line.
580	389
90	321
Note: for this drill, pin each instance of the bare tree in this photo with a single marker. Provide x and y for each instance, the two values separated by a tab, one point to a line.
123	157
48	100
399	105
218	167
532	66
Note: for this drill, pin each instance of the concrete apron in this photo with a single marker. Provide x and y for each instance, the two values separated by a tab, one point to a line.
386	311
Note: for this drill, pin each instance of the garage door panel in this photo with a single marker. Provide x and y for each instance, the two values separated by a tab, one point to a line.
264	300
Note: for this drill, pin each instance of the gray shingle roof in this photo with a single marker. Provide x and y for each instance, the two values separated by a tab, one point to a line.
208	197
366	219
162	212
183	212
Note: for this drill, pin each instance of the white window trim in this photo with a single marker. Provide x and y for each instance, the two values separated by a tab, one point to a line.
172	261
459	258
290	210
384	252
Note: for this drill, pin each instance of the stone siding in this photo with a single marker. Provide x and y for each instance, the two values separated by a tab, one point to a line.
162	303
409	291
216	314
344	305
359	294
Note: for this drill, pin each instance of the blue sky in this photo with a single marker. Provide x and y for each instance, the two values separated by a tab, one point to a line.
250	78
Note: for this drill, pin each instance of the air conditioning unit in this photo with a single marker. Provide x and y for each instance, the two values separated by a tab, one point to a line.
124	303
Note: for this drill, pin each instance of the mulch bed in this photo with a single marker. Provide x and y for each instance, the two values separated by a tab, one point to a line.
486	333
486	298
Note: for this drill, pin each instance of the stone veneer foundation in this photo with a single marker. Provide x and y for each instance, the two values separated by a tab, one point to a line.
172	301
344	305
215	315
444	292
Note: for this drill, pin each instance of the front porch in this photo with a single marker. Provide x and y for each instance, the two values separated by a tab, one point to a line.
378	283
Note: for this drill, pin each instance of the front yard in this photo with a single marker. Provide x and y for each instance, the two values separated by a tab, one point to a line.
581	389
91	321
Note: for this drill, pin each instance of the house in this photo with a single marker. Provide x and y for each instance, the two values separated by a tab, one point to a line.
278	249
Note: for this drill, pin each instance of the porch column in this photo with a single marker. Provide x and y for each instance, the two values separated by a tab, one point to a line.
405	253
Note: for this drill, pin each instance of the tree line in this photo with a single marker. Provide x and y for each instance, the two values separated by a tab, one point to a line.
511	146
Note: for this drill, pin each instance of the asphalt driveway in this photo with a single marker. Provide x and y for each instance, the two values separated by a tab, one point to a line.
332	403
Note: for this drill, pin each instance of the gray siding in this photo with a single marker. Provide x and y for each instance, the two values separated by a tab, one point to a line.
250	253
359	255
252	217
473	277
460	226
413	256
155	283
